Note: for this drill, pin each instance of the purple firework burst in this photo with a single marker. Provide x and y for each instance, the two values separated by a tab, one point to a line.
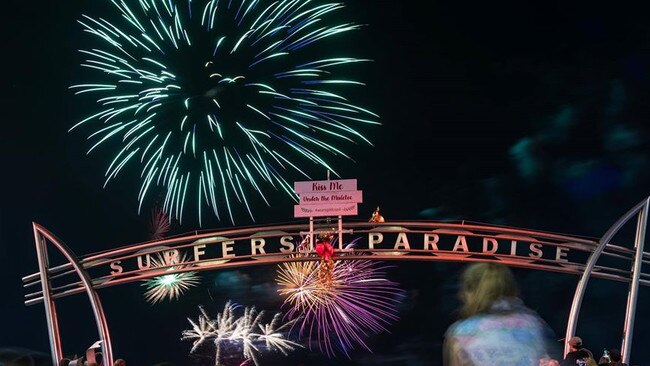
341	315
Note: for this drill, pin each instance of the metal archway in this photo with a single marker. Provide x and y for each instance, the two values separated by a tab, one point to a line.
40	237
394	241
641	211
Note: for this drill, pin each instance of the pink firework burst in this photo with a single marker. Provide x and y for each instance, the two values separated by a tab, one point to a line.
159	224
358	301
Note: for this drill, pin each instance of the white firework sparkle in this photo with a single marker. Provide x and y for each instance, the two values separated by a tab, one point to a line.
246	331
170	286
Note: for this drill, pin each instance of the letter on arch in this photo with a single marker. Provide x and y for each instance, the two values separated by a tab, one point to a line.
402	242
461	243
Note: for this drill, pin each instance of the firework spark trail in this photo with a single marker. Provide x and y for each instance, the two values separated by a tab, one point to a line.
260	109
247	331
159	224
359	301
170	286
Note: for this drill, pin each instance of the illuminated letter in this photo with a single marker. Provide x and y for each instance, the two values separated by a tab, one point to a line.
536	249
560	254
402	242
198	252
257	244
461	243
495	245
117	269
226	248
287	245
374	238
140	266
171	257
513	247
431	240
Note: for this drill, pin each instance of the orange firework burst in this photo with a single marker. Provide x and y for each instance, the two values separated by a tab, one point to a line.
341	312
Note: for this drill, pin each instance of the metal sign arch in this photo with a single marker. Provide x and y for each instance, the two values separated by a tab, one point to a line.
393	241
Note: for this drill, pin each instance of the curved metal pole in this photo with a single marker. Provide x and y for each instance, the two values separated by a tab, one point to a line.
630	311
95	303
572	322
48	301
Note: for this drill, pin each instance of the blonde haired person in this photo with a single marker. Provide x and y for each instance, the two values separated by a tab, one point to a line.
495	327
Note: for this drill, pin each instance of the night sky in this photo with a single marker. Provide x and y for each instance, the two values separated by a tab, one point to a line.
531	115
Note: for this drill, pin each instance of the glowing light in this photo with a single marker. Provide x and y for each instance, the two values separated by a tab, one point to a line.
246	334
164	75
171	286
168	280
339	315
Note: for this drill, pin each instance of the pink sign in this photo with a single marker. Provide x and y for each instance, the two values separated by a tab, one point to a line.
318	186
331	197
347	209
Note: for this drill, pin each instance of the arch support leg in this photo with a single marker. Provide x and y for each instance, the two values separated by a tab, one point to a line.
632	296
642	210
42	236
48	302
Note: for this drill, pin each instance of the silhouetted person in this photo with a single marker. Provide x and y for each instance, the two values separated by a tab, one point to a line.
14	356
25	360
615	358
577	355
